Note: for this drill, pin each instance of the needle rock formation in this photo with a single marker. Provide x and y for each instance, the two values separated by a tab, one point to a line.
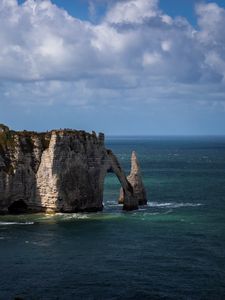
135	180
58	171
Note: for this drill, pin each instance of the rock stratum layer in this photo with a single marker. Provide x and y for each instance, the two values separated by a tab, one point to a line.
57	171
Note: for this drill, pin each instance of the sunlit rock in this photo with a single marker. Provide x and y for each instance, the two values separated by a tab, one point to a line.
135	179
58	171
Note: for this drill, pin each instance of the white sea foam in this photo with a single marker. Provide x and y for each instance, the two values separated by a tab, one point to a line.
142	209
63	216
16	223
74	216
158	213
173	204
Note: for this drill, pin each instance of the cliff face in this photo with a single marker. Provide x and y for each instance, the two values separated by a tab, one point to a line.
59	171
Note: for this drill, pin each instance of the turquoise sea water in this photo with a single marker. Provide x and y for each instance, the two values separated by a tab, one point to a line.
174	248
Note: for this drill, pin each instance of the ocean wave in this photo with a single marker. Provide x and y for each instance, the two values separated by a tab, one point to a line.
142	209
73	216
62	216
16	223
111	203
158	213
173	204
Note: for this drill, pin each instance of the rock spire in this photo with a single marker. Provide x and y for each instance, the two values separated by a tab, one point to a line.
135	179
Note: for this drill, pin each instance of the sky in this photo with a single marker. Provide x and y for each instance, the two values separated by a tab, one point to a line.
123	67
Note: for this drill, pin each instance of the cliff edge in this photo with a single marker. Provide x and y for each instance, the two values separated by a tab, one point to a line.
57	171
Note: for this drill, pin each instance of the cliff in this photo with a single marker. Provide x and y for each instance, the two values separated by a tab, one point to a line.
58	171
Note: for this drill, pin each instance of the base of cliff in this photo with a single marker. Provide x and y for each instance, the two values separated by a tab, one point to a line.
129	208
21	210
84	210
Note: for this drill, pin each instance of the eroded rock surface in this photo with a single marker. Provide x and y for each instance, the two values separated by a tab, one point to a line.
135	179
58	171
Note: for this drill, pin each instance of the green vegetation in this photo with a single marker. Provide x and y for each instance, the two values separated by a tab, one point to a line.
25	140
9	139
6	140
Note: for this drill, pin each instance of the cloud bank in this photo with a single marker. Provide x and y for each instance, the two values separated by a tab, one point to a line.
135	54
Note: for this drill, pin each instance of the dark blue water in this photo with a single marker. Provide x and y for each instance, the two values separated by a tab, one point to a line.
172	249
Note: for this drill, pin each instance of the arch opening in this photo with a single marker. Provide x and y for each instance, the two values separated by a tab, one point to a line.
111	190
18	207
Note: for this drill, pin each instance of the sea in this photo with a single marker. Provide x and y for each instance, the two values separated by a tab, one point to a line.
173	248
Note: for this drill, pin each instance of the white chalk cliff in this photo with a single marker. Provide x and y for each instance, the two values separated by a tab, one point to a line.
59	171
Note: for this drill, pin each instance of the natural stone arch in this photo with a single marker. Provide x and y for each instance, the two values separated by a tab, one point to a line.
59	171
111	185
112	165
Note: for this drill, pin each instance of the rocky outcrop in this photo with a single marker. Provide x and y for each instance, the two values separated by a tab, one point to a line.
135	180
58	171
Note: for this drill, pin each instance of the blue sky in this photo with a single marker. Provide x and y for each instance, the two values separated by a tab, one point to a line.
123	67
80	8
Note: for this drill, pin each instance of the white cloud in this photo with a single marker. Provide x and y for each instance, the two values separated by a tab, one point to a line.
167	19
211	38
166	45
151	59
46	55
92	10
133	11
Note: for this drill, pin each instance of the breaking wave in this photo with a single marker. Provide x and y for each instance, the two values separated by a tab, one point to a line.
16	223
173	204
73	216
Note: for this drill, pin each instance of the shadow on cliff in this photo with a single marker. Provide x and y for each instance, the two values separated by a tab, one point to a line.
19	191
77	165
80	165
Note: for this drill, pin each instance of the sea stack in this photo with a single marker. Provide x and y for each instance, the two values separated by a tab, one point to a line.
135	179
59	171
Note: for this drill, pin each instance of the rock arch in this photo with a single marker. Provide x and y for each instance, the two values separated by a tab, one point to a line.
59	171
130	202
